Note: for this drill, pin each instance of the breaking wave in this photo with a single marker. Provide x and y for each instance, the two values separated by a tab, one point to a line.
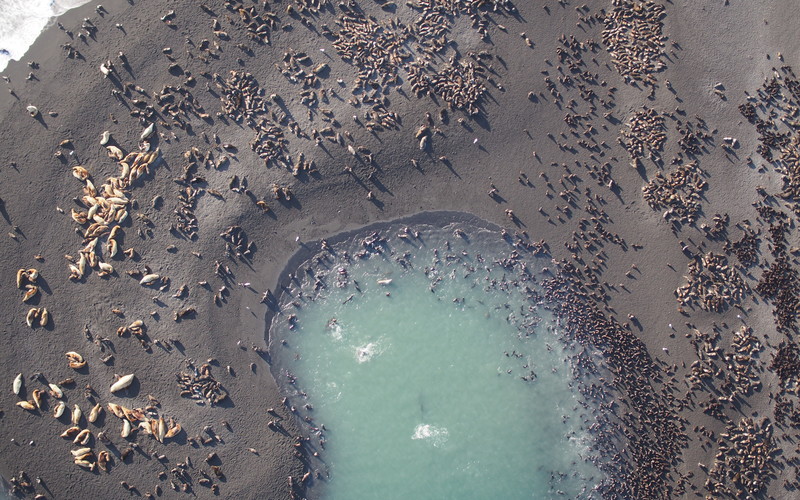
22	21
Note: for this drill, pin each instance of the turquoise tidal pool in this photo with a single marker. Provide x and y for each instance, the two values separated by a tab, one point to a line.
422	365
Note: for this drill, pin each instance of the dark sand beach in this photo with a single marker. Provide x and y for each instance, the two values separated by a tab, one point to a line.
653	147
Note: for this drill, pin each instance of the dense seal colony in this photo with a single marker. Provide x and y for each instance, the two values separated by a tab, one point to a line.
253	112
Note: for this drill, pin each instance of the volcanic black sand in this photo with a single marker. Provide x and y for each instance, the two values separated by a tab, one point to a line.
650	149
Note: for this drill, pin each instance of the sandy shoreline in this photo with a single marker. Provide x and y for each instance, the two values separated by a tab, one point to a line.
715	56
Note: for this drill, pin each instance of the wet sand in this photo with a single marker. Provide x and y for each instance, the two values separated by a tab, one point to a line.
622	253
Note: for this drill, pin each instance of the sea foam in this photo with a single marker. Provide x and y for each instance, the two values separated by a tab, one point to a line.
436	435
22	21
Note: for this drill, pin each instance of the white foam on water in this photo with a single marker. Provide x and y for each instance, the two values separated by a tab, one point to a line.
453	335
22	21
336	329
368	351
436	435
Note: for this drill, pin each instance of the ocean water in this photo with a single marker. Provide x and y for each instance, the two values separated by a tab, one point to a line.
449	381
22	21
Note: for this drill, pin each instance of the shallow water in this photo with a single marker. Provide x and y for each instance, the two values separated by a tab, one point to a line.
448	382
